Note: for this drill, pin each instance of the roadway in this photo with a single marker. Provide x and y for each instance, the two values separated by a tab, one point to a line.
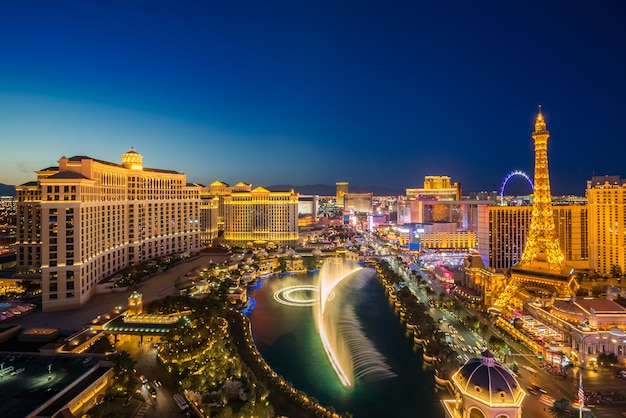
467	345
163	406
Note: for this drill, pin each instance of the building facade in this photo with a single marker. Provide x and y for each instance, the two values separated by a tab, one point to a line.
358	202
606	199
307	205
220	189
590	326
436	187
86	219
341	191
209	209
261	216
508	226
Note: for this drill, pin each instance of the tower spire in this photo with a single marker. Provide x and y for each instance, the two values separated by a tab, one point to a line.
540	123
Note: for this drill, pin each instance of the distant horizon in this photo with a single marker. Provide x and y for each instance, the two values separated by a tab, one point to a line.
358	187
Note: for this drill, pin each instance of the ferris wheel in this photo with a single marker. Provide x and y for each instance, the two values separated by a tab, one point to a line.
508	177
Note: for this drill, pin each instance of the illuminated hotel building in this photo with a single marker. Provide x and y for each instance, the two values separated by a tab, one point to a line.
606	199
358	202
86	219
342	189
209	207
436	187
505	236
220	189
307	205
261	216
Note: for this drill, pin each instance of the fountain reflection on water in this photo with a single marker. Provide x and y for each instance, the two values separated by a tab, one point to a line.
351	354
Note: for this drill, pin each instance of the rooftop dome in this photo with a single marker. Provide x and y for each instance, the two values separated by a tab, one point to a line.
489	381
290	252
132	160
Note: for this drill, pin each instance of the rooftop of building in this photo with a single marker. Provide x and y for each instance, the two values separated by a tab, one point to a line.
598	181
78	158
487	380
42	378
600	305
67	175
145	326
567	306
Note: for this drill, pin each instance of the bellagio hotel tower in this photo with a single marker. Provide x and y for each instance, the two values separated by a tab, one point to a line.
87	219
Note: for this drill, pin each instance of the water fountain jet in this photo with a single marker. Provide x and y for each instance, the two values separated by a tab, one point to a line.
351	354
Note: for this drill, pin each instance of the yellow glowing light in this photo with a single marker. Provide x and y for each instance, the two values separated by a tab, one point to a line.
325	292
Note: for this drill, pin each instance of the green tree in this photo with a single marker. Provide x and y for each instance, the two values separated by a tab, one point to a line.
443	296
596	291
581	291
561	409
105	410
616	270
124	374
101	345
310	263
605	359
483	330
498	345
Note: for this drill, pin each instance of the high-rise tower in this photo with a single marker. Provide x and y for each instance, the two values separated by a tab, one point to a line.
542	243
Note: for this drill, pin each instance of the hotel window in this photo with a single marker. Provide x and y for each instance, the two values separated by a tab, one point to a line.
69	295
53	287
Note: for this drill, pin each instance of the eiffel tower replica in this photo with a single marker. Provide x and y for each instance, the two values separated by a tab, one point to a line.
542	270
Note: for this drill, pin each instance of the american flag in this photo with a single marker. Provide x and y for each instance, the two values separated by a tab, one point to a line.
581	392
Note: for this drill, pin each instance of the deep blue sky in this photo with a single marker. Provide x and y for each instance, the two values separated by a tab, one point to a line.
305	92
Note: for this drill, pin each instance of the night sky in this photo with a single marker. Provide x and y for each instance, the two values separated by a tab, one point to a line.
306	92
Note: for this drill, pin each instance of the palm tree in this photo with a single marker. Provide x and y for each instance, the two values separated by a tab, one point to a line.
561	409
483	330
498	345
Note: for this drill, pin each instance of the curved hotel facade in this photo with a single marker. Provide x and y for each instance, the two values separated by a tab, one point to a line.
87	219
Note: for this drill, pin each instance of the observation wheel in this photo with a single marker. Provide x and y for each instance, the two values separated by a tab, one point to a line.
508	177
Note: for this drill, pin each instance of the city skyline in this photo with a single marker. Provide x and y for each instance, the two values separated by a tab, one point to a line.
306	94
